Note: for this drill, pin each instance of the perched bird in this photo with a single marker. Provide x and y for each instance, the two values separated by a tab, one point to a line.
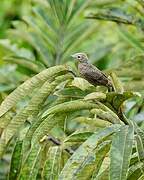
91	73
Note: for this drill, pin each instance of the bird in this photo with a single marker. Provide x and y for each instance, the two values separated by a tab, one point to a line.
90	72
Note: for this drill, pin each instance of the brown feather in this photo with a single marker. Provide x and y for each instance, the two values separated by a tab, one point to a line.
93	75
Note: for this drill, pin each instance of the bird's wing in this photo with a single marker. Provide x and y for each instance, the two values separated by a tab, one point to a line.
96	75
95	69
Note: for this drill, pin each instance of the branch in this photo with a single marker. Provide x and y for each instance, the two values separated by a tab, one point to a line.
57	142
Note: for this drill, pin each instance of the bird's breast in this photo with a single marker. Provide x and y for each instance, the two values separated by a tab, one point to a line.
82	68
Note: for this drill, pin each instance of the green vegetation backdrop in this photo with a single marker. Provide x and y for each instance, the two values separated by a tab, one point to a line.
54	125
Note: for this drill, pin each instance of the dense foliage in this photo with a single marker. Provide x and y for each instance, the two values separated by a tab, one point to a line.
54	124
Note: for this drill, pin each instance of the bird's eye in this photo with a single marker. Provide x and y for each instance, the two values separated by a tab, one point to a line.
79	57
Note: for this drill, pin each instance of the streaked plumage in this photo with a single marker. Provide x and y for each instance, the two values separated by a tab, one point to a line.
91	73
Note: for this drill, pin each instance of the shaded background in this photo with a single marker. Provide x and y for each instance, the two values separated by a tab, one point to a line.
35	36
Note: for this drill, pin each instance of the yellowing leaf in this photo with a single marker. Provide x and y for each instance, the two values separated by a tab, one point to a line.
95	95
81	83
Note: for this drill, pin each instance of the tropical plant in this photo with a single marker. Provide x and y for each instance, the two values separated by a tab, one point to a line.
47	36
55	124
11	10
70	130
54	30
129	21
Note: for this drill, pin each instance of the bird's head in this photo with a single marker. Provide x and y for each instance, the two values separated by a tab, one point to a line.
81	57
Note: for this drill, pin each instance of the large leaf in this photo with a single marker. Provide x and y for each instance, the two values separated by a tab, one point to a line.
130	39
113	14
78	136
74	164
52	30
117	99
104	175
27	142
140	149
93	162
121	152
93	122
71	92
135	171
53	163
28	86
69	107
16	161
30	110
117	84
45	127
25	63
31	165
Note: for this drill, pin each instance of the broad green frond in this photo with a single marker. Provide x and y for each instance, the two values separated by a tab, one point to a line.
30	168
70	106
28	86
121	152
16	160
32	109
53	164
74	164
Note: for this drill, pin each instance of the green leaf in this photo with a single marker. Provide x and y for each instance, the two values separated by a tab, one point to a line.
104	175
69	107
89	31
135	171
16	161
28	86
70	92
25	63
75	8
30	167
58	7
117	84
93	163
131	39
101	153
36	41
141	178
134	158
140	149
41	13
106	115
5	87
13	49
81	83
95	95
141	2
46	125
93	122
74	164
53	163
78	137
117	99
139	131
32	109
120	153
40	29
27	142
113	14
5	119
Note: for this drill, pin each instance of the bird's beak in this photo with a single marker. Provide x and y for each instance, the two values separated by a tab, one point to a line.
73	56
